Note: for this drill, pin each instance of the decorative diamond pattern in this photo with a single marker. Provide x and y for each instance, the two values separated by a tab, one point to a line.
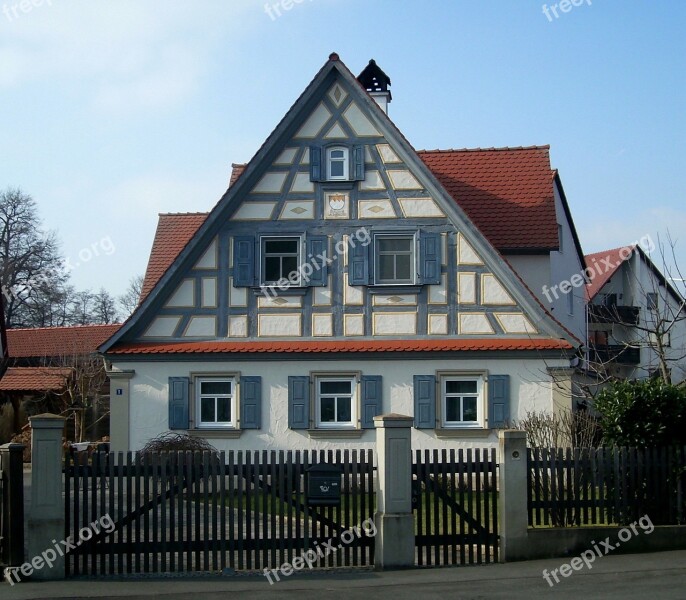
395	299
280	301
298	210
376	208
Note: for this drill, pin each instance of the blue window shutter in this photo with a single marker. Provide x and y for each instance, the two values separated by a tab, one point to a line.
371	400
179	389
425	401
298	402
358	262
498	400
316	164
430	257
244	261
316	246
251	402
358	163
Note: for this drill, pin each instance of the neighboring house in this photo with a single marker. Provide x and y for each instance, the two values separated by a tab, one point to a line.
40	368
344	275
635	316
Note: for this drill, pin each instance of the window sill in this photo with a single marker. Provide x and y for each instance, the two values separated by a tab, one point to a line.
336	433
409	288
335	185
229	434
462	432
277	291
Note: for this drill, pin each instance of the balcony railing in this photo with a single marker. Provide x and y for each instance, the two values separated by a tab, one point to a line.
623	355
626	315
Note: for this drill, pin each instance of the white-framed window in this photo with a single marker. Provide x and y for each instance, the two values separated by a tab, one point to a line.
215	402
337	163
280	259
336	402
462	401
560	238
395	259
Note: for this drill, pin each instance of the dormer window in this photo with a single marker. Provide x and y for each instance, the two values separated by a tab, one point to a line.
337	163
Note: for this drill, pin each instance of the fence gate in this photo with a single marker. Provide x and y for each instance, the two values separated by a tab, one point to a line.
455	502
172	512
11	505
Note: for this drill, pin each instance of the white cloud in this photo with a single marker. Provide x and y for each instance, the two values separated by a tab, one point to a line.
125	55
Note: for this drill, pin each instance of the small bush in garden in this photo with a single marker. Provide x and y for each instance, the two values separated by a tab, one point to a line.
642	413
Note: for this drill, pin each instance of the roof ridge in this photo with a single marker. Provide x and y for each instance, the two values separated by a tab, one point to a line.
617	249
52	327
479	149
182	214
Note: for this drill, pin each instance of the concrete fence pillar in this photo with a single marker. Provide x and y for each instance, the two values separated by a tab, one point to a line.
394	544
46	510
512	502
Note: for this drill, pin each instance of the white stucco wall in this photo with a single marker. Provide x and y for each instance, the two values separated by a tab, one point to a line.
530	388
544	272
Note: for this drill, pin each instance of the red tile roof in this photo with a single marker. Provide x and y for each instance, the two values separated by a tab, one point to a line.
506	192
57	341
174	231
34	379
603	265
329	347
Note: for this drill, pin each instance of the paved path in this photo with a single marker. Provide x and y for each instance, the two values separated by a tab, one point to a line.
654	576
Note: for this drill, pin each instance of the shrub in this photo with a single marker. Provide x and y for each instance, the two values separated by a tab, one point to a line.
642	413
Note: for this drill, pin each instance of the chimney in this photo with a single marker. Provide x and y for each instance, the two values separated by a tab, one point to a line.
377	83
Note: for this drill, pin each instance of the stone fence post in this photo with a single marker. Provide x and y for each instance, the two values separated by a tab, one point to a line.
46	512
512	502
394	544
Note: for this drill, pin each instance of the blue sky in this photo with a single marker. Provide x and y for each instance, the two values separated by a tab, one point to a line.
114	111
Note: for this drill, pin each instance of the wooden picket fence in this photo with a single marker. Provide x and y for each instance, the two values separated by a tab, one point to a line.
211	511
606	486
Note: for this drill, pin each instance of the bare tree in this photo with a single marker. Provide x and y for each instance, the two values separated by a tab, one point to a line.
82	379
31	270
129	300
104	308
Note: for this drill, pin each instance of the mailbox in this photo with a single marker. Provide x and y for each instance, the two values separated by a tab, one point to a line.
324	485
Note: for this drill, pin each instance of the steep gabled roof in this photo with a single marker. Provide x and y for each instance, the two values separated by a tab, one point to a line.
212	224
44	342
174	231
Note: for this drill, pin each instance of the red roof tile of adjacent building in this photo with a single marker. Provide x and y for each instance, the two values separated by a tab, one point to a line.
331	347
174	231
58	341
34	379
603	265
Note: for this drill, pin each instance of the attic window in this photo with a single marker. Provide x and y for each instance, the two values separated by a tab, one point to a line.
337	163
